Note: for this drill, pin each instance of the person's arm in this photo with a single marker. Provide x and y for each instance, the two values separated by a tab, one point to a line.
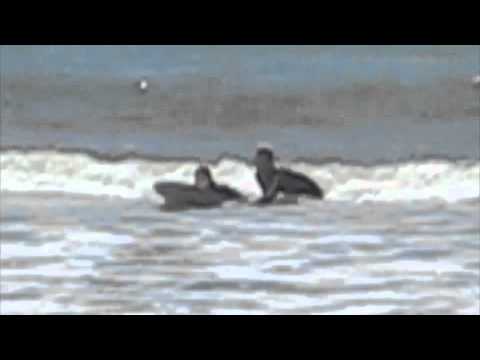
261	183
231	193
270	193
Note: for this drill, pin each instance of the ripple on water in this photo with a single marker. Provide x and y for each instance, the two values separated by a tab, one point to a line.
339	259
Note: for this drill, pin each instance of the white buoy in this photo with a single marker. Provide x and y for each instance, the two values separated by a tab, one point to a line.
143	85
476	81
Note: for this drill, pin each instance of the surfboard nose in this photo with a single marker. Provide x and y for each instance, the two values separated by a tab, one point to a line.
155	197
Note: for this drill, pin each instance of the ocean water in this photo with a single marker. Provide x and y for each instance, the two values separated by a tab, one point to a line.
390	132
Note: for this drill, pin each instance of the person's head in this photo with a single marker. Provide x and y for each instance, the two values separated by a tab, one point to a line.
203	177
264	157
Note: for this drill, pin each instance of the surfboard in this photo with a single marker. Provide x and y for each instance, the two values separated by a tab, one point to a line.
184	195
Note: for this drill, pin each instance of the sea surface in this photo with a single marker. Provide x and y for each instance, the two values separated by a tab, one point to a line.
391	133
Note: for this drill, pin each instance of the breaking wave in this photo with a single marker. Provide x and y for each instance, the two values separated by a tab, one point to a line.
79	173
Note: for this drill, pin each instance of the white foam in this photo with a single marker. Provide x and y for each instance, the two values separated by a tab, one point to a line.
32	307
235	272
81	242
350	239
363	310
292	264
278	226
237	312
23	250
409	266
58	270
97	237
13	227
78	173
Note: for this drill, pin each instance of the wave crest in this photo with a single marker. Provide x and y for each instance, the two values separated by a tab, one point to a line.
49	171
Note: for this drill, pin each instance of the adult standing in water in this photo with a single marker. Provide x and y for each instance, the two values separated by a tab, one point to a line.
273	180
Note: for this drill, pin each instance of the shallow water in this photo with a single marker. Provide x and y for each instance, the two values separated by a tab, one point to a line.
83	254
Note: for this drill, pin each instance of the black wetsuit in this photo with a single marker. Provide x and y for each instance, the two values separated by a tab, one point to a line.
179	195
226	192
288	182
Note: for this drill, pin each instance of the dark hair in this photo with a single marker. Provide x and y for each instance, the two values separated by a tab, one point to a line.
265	151
202	169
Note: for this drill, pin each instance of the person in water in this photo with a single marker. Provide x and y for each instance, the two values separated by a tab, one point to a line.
204	193
273	180
204	181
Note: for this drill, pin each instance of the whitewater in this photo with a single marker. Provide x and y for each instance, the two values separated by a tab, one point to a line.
76	173
85	235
